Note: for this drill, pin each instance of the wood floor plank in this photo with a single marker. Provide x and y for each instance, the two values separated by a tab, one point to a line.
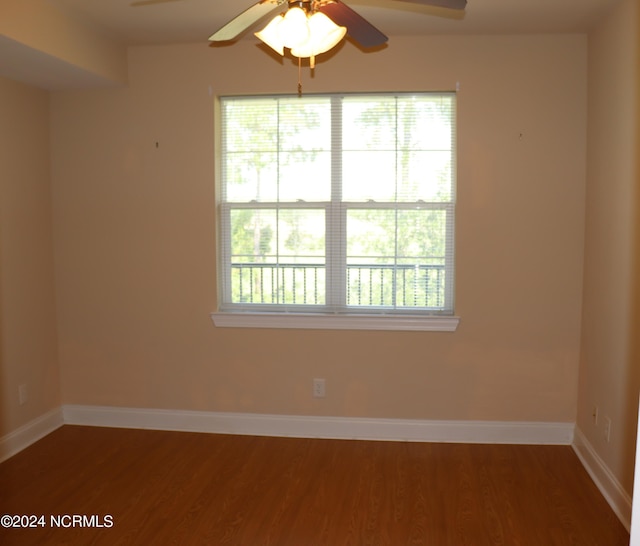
202	489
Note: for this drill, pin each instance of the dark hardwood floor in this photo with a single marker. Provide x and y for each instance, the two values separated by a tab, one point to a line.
137	487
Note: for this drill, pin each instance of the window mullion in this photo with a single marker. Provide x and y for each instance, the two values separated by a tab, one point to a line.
449	257
225	254
394	302
336	217
278	270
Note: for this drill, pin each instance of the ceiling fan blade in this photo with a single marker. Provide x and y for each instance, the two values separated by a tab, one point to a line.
242	22
450	4
361	30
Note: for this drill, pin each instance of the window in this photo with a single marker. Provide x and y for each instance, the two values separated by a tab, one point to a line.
338	205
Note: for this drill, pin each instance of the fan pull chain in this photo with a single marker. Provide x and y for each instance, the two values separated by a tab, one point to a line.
299	76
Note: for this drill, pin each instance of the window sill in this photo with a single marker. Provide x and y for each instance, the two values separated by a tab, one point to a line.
336	322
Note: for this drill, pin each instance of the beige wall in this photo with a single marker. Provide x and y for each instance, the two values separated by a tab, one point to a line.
610	352
28	346
134	230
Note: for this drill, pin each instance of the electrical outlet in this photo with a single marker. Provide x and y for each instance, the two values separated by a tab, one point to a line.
595	415
319	388
23	395
607	429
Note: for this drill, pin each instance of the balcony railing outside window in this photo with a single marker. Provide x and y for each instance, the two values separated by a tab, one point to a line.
368	285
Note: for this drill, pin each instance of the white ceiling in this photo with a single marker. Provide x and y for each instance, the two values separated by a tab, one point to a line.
177	21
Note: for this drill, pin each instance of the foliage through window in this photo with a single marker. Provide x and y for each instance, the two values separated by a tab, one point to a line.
338	203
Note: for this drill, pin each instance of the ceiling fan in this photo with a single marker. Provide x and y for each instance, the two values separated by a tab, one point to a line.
307	27
358	28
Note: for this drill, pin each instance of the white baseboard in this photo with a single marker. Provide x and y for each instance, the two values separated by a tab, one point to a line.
493	432
607	483
30	433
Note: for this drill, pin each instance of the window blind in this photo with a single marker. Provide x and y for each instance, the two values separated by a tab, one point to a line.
338	203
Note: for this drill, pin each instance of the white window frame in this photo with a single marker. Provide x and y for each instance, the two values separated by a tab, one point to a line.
340	316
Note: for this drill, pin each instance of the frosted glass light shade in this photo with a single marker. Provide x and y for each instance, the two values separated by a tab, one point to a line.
324	34
294	28
271	35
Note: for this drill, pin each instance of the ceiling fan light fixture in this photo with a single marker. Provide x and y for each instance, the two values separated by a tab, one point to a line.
306	35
